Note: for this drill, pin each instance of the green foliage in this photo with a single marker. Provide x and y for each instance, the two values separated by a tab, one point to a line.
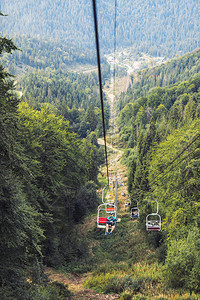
172	72
60	89
139	183
47	291
176	184
20	221
42	173
137	23
71	95
50	291
60	177
126	296
86	200
177	106
6	45
40	53
112	283
166	166
182	263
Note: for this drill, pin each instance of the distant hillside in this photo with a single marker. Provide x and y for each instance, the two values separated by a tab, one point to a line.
172	72
72	95
40	53
157	27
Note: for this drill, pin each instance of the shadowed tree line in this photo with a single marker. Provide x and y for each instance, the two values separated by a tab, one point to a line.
48	179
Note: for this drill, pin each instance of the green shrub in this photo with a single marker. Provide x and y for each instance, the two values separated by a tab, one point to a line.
52	291
78	267
182	266
112	283
106	267
125	296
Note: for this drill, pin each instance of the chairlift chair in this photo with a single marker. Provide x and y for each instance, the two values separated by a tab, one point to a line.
153	221
101	214
110	208
135	212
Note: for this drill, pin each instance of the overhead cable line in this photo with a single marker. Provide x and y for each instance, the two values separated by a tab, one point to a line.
100	81
115	29
166	195
113	100
181	153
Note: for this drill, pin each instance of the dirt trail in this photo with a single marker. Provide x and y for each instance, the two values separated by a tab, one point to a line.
115	153
76	286
75	282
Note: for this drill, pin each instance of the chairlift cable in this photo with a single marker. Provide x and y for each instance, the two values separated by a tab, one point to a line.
114	82
166	195
109	206
100	81
181	153
173	167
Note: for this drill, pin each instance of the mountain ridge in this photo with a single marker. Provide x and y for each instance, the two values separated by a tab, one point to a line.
163	28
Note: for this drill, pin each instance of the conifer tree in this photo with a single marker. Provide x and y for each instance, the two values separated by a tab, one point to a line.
19	222
145	144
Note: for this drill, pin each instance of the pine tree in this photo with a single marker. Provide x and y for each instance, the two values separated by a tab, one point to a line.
145	144
19	222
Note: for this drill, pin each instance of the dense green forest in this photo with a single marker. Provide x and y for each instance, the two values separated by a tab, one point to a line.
172	72
161	133
40	53
74	96
50	119
160	93
160	28
48	175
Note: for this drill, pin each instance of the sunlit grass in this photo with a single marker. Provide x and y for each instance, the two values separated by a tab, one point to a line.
120	278
144	270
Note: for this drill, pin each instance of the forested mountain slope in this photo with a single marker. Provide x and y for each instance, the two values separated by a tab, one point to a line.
161	131
172	72
157	27
165	105
74	96
48	178
40	53
49	165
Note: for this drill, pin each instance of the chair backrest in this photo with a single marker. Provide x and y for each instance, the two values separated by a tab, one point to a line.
110	209
135	212
102	220
153	224
102	211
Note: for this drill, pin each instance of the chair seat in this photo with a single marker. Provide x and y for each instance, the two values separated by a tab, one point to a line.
153	228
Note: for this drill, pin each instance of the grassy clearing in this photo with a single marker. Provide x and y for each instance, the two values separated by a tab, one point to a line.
126	263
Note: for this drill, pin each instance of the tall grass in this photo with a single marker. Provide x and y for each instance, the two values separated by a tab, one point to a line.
119	278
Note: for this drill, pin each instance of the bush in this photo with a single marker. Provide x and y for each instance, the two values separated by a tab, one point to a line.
182	267
112	283
52	291
78	267
126	296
